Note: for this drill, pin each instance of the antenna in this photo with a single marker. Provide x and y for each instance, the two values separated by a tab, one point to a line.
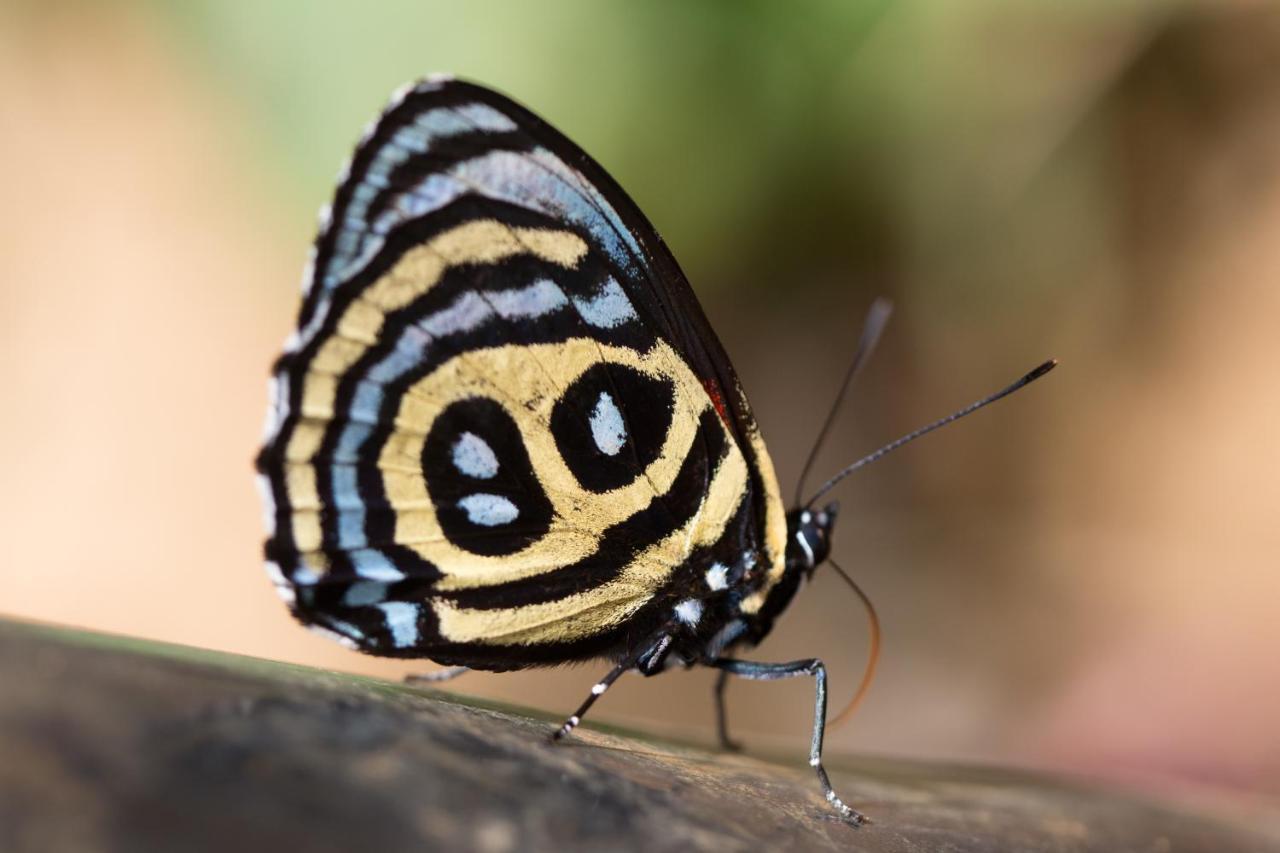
873	650
872	327
925	430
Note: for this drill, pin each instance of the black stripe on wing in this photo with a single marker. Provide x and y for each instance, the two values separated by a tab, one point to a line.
622	542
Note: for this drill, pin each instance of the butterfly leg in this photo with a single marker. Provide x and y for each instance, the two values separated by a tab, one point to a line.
727	743
813	667
447	674
648	657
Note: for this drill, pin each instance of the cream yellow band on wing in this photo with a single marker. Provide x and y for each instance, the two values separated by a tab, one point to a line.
416	272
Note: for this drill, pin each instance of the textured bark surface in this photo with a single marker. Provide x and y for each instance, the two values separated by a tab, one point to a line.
111	744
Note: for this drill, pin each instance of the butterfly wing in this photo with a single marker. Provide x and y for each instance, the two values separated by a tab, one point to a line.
504	432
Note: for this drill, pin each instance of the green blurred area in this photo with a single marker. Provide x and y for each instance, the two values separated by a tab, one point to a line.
713	113
777	146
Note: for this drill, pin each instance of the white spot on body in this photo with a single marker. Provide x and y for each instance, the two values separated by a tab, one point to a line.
473	456
607	428
717	577
489	510
804	546
689	611
402	622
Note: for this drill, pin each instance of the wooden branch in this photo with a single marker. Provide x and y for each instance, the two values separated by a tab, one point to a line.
113	744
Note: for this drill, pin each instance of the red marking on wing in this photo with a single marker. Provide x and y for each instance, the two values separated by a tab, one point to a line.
717	399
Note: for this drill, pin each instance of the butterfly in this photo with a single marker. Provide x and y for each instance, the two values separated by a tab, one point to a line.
504	434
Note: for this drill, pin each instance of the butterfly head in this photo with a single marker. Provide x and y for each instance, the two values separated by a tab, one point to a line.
809	536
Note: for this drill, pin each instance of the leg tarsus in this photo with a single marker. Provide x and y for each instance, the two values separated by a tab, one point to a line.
660	642
813	667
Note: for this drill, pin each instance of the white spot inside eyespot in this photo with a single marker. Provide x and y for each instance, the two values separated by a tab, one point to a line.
489	510
689	611
607	428
597	689
473	456
718	576
402	622
363	593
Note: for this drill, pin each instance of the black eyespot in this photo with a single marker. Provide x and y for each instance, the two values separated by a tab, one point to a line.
479	477
611	424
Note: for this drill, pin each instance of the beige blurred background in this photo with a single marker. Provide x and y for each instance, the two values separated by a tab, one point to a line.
1084	578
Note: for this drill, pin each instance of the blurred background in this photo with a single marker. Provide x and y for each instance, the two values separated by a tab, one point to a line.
1084	578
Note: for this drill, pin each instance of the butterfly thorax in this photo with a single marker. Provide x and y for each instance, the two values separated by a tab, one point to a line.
712	627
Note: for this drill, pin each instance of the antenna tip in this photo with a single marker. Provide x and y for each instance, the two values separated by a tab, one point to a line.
1041	370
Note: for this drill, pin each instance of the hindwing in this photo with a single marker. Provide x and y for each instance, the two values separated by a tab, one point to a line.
504	432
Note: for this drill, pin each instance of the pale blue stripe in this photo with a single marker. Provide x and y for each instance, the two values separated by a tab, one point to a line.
408	141
346	499
366	403
608	308
374	565
402	622
363	593
353	437
350	517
